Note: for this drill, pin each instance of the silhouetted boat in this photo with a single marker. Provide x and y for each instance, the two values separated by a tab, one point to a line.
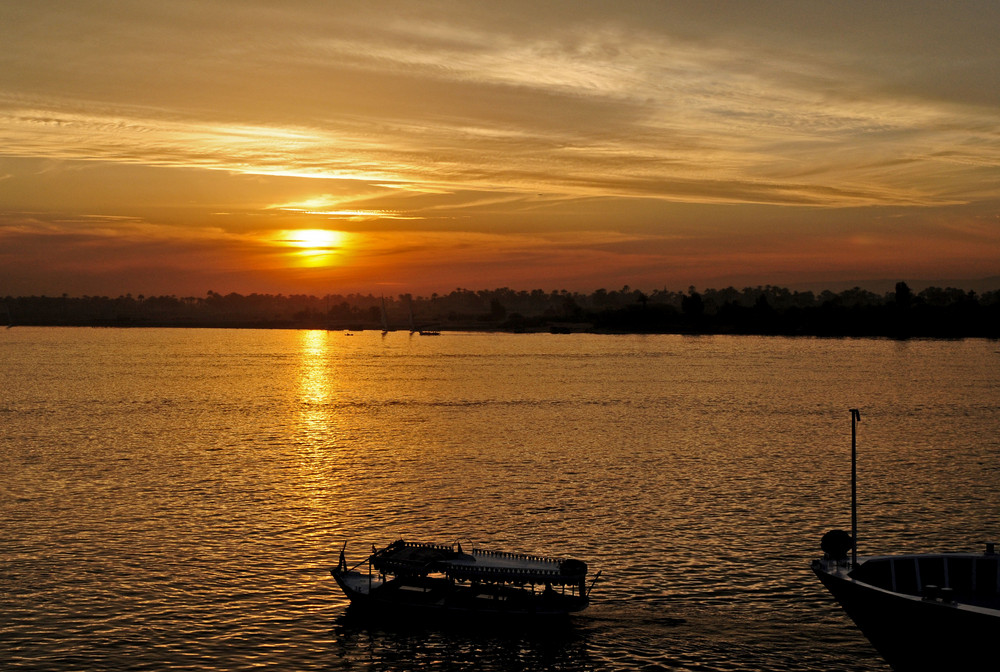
406	578
924	611
413	326
934	611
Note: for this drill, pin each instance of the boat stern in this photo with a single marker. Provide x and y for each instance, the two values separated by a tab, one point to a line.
356	586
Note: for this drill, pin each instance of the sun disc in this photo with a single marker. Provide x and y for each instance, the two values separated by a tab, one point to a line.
315	239
314	247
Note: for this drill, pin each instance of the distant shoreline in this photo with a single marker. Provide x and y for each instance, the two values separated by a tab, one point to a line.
762	311
570	330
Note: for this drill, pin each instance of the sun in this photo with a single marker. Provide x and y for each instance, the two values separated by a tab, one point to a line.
314	238
314	247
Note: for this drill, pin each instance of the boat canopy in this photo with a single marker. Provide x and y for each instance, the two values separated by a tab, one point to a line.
403	558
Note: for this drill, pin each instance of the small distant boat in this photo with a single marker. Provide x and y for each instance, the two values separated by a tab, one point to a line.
413	326
924	611
407	579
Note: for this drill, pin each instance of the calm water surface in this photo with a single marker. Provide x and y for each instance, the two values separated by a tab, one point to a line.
172	499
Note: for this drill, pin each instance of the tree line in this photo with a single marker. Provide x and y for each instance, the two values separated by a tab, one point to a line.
766	310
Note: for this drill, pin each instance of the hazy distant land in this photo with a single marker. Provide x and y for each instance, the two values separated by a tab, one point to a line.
933	312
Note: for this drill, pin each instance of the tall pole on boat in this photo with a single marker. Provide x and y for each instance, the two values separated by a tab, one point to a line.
855	419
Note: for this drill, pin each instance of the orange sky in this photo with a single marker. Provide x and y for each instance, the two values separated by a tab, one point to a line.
180	147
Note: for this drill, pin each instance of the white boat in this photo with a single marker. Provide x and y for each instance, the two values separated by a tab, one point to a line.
923	611
411	579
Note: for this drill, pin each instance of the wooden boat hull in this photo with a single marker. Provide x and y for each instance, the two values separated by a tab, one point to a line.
444	598
913	632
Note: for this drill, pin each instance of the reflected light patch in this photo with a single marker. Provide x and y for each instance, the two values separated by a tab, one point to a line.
315	418
313	381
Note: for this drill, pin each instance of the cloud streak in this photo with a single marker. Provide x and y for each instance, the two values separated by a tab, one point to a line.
614	110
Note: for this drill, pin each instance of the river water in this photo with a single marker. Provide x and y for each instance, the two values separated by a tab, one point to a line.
173	499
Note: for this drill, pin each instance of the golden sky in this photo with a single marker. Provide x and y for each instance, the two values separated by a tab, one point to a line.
310	146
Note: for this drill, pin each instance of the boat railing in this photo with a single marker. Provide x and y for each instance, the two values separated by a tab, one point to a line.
506	574
406	558
516	556
416	544
453	548
511	574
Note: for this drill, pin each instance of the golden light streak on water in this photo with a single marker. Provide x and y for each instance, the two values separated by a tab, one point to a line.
315	383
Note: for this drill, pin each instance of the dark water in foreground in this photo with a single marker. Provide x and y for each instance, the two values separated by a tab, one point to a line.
172	499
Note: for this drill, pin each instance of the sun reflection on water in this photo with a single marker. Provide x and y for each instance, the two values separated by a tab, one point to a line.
315	382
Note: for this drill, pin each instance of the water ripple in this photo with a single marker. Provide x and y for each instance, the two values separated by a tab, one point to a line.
172	500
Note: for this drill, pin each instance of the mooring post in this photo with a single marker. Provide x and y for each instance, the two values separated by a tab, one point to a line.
855	419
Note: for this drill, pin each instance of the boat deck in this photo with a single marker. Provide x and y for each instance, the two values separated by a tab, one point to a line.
963	577
359	583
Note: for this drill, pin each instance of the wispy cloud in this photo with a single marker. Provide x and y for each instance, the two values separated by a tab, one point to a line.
736	158
583	110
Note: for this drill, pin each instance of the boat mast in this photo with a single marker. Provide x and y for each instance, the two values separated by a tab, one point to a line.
855	419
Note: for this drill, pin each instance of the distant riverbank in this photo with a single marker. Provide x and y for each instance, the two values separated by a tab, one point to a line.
932	313
834	329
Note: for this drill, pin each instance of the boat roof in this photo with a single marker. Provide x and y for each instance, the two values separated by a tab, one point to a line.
416	559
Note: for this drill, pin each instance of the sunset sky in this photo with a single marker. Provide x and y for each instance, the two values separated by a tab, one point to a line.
303	146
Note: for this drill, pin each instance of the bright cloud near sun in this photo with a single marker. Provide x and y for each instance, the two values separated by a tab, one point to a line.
327	207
